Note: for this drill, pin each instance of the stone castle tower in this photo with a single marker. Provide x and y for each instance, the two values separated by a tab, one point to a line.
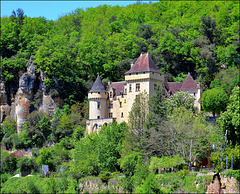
115	102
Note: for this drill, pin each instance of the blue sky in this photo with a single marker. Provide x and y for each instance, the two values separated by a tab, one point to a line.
52	10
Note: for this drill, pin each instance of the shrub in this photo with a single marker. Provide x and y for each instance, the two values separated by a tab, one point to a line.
105	176
4	177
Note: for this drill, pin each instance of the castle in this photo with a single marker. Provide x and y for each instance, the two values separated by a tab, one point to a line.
115	102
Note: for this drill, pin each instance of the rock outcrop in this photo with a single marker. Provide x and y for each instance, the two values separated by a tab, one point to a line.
31	94
48	104
223	185
25	95
4	107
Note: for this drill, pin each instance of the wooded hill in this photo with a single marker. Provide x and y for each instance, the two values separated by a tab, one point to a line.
197	37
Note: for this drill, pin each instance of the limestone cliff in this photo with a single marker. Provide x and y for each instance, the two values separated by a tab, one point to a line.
4	107
32	94
25	95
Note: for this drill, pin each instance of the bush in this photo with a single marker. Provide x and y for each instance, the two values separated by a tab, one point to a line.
105	176
150	185
4	177
27	165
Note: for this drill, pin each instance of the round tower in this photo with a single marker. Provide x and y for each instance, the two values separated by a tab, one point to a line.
97	97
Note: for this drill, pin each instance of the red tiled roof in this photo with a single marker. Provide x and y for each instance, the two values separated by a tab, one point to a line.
118	88
189	83
173	87
144	63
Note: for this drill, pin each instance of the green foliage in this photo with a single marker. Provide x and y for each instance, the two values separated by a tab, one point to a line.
165	162
130	162
226	79
180	99
9	134
105	176
27	165
196	37
35	184
214	100
4	177
109	147
138	115
233	173
53	156
150	185
157	107
229	121
218	158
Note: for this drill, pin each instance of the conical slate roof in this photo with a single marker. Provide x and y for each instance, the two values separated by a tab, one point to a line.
144	63
98	86
189	83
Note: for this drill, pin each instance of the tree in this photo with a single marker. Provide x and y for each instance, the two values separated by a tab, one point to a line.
229	120
180	99
110	146
214	100
157	107
138	115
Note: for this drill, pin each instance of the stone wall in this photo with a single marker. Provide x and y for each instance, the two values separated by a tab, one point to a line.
97	185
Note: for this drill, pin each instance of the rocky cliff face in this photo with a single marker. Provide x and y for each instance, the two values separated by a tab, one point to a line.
22	105
24	95
4	107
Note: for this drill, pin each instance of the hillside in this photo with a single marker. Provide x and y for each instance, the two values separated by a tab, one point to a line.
197	37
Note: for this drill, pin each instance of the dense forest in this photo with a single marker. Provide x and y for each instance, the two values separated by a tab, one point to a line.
162	135
197	37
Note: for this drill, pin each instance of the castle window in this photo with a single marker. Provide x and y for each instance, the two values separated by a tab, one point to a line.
137	87
125	91
98	92
98	117
110	94
122	114
194	94
120	104
125	101
110	115
96	126
98	105
111	104
130	87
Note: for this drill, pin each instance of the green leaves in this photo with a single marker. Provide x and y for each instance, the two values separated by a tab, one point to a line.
214	100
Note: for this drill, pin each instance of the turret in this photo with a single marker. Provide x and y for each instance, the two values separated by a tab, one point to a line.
97	97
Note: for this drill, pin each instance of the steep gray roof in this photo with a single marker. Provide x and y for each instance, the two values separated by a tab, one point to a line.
98	86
